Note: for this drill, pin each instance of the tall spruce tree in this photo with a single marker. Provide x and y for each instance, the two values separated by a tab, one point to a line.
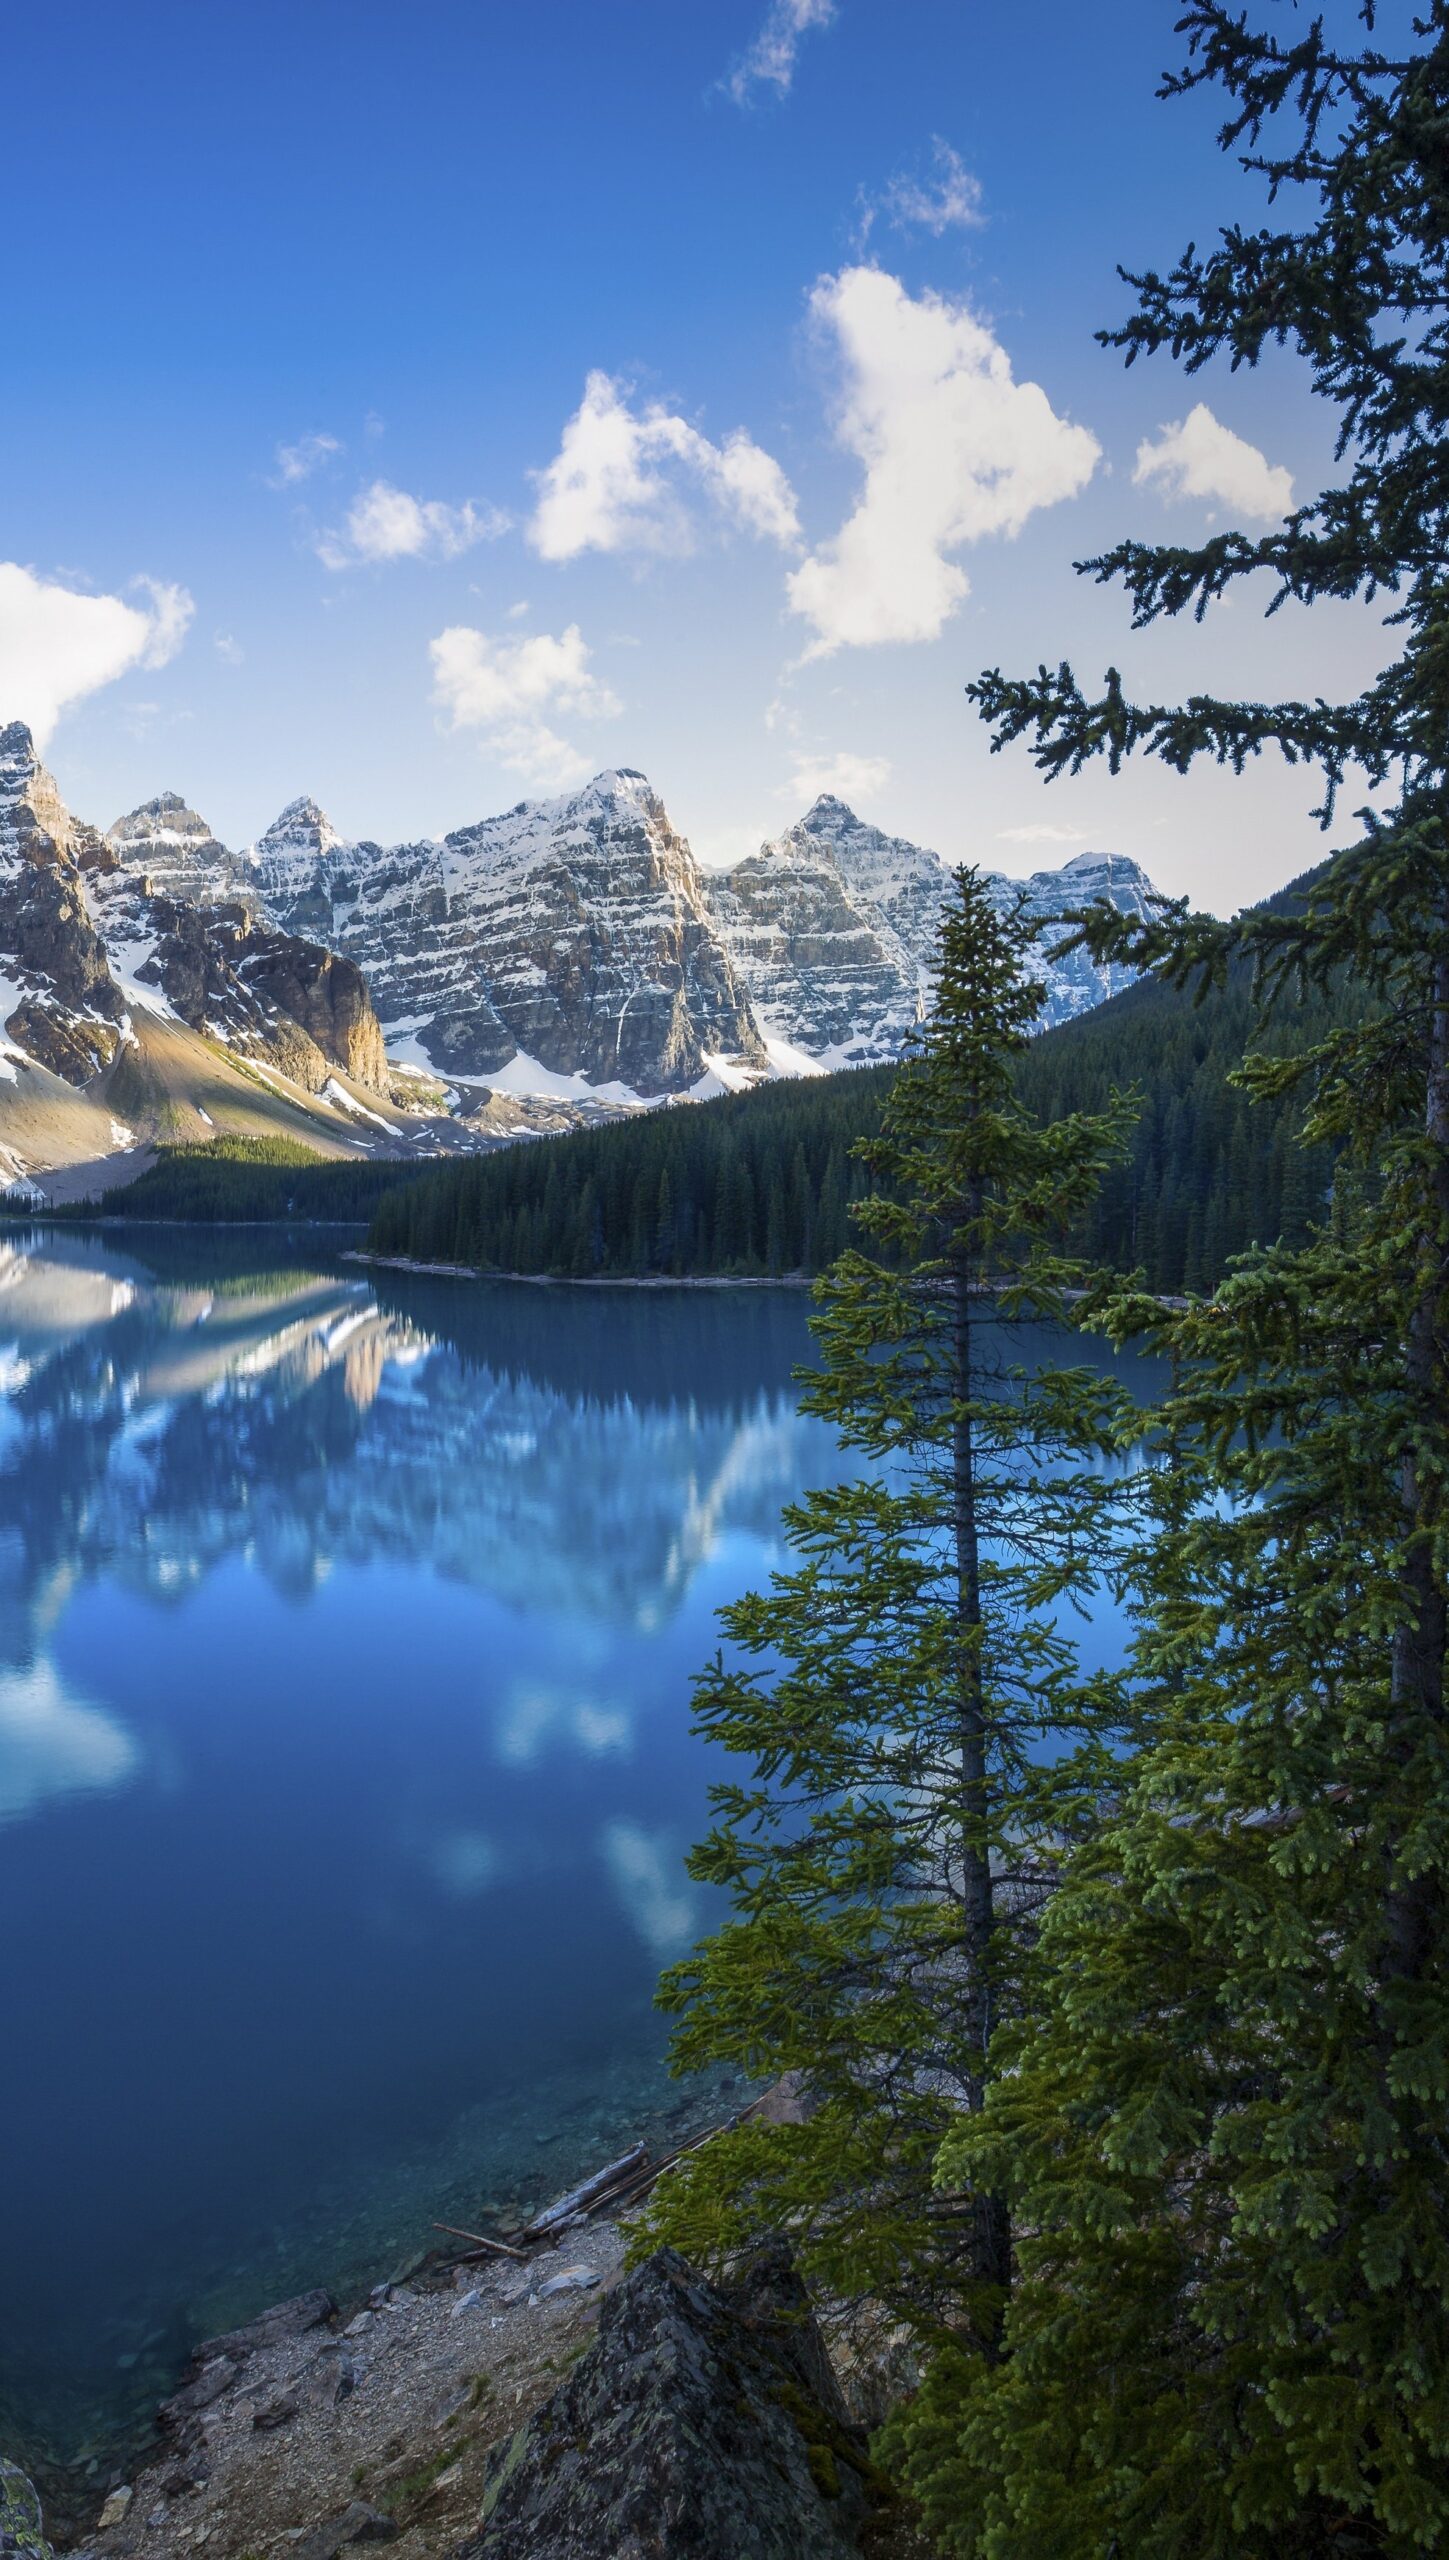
1225	2137
922	1740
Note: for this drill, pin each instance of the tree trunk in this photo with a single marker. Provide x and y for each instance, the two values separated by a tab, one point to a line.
1419	1645
992	2235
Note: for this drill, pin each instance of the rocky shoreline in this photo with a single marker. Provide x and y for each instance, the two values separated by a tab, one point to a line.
416	2416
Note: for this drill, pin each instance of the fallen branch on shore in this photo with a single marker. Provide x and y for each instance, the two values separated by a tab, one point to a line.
480	2240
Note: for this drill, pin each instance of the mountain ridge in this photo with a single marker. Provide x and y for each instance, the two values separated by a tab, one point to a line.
569	954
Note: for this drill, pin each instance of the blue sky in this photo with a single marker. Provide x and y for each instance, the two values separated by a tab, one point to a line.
423	403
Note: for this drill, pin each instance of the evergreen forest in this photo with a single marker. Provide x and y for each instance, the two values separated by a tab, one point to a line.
240	1181
764	1183
1112	2002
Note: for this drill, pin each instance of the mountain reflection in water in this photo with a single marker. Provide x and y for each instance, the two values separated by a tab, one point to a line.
346	1635
347	1628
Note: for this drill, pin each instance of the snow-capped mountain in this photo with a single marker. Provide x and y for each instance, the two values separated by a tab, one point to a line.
827	973
566	945
568	956
832	927
131	1009
59	1003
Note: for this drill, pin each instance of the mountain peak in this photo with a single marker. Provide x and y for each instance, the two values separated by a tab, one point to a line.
168	820
827	804
302	827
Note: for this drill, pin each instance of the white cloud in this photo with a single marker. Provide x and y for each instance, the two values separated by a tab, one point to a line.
228	648
844	777
953	449
947	198
1198	457
1041	834
384	523
607	488
298	461
56	646
505	688
769	63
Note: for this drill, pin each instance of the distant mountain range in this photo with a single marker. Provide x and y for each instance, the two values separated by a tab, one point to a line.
567	958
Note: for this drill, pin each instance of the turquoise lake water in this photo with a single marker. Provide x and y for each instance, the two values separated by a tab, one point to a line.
347	1627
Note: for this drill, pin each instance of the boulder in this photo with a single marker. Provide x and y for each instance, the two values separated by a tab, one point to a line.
703	2424
21	2524
216	2376
357	2523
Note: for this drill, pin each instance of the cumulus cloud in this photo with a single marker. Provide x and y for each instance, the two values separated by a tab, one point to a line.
945	197
298	461
613	484
1198	457
509	689
384	523
57	646
953	449
844	776
767	66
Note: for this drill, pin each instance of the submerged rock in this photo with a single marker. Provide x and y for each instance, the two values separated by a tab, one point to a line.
290	2319
701	2425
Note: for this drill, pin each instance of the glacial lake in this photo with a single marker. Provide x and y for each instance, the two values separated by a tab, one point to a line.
347	1630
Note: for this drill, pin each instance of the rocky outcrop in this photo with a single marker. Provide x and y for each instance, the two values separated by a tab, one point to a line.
573	935
701	2425
22	2533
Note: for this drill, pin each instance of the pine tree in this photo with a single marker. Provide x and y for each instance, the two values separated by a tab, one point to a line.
1226	2137
924	1749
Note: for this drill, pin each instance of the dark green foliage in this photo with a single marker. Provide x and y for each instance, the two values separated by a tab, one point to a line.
239	1180
763	1182
907	1694
758	1183
1225	2134
1210	1171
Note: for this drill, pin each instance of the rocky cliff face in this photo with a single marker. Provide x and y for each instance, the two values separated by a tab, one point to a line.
58	1001
94	928
168	844
1077	982
571	936
825	972
833	926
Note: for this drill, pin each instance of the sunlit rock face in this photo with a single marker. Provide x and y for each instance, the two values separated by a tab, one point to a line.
172	846
187	928
59	1003
833	925
572	935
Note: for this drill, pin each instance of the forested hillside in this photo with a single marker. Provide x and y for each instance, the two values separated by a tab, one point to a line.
236	1180
761	1183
